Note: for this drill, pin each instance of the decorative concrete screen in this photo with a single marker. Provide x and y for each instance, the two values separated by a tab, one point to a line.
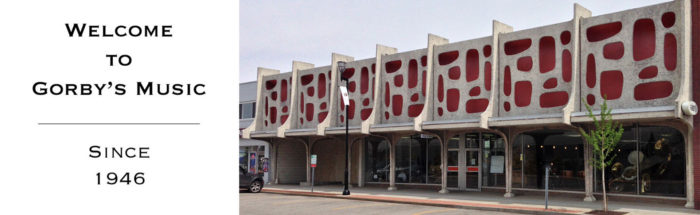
633	57
462	79
276	96
403	86
361	75
314	90
535	70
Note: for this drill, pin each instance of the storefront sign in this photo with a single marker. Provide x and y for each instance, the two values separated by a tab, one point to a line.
472	169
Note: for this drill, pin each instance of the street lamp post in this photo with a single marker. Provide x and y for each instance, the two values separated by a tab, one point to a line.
341	68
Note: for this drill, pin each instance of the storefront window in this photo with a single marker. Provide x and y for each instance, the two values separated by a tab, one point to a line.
650	160
530	163
517	159
434	169
243	158
412	159
404	161
621	174
252	158
376	160
559	149
661	161
494	160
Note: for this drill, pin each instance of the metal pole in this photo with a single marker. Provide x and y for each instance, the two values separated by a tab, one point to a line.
546	187
312	178
346	191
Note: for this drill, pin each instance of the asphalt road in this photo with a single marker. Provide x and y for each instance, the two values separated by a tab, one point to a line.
271	203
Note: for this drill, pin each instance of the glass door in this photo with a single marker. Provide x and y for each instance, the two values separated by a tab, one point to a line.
472	153
453	176
463	162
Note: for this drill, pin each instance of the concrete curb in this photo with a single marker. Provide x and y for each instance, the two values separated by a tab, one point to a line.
438	203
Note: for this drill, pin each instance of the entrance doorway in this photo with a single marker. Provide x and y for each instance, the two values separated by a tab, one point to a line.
464	162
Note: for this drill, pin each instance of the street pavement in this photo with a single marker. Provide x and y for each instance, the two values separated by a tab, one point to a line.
490	201
272	203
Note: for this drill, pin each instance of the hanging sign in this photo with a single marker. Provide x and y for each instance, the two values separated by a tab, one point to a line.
344	94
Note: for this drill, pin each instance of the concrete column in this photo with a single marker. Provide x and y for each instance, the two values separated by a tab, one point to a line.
392	163
375	117
308	164
689	183
273	162
427	112
443	165
693	152
361	164
333	111
588	168
509	165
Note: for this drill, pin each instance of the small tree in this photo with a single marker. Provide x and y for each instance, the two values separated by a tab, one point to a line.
604	138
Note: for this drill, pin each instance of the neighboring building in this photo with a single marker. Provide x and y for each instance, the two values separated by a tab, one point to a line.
488	114
253	154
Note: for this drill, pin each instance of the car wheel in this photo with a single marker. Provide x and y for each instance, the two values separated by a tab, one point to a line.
255	187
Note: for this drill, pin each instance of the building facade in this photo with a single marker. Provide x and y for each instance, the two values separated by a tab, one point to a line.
253	155
489	114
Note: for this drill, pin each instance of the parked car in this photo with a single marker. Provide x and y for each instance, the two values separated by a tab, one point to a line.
253	182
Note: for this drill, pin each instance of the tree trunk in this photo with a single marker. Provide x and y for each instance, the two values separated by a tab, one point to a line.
602	165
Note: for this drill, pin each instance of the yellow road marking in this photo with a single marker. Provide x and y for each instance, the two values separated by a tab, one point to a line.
359	206
434	211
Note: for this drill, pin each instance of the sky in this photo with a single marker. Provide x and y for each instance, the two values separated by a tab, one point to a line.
275	33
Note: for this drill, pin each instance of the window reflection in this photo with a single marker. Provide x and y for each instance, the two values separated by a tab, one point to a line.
418	160
650	163
376	160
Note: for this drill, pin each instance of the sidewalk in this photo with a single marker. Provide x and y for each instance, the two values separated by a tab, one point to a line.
531	204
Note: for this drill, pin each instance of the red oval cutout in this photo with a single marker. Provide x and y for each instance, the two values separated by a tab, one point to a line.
603	31
517	46
613	50
548	54
448	57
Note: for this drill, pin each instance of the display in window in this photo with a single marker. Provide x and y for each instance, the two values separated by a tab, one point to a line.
650	161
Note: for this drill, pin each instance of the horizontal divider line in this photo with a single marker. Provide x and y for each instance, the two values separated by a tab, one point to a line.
118	123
